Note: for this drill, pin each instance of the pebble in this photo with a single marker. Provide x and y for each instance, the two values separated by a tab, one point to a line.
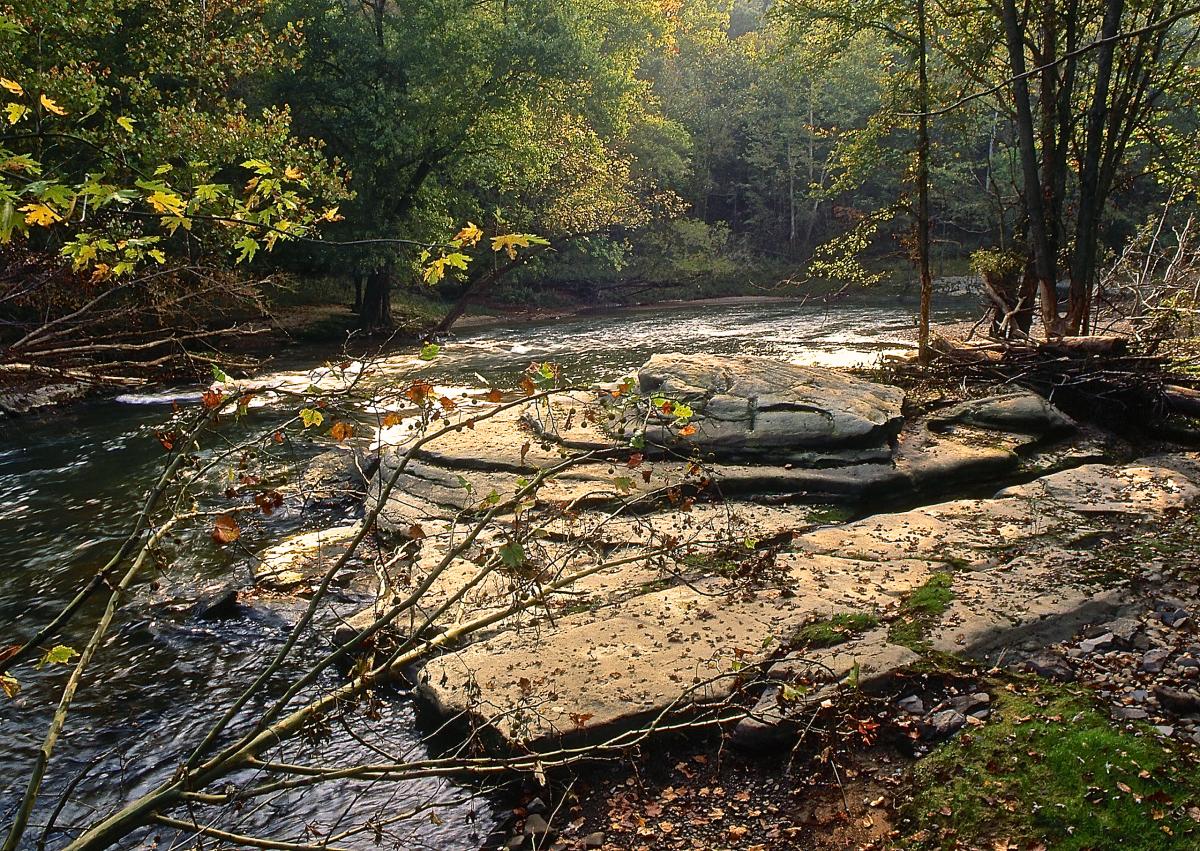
912	704
1154	660
535	825
1129	713
593	840
1100	642
946	723
1164	730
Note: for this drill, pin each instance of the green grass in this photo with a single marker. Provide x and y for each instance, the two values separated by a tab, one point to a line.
920	610
1049	767
832	631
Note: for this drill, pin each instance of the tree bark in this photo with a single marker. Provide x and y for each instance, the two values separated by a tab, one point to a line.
375	313
923	188
1087	222
1044	262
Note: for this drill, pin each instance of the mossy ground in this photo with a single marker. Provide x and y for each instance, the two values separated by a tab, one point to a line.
919	611
1050	770
831	631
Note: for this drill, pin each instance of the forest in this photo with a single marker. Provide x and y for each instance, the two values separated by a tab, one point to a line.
599	424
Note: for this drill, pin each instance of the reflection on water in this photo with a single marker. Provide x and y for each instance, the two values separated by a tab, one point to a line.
70	482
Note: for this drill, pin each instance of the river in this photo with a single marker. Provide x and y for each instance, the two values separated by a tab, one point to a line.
70	484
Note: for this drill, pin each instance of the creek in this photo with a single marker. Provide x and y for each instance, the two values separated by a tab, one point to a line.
71	481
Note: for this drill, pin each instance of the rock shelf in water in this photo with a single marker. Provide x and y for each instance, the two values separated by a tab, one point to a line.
754	562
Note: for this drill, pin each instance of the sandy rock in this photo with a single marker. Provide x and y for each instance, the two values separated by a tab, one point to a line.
639	647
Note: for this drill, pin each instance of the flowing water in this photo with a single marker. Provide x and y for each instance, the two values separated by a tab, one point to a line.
70	485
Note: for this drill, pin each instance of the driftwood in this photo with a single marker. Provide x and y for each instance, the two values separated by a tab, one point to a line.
1098	376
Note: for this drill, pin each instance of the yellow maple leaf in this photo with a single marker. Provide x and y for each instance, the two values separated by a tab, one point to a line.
127	123
51	106
166	202
469	235
293	173
15	112
331	215
12	85
509	243
40	214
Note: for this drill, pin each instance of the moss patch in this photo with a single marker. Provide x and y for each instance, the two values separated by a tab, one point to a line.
919	611
1049	769
832	631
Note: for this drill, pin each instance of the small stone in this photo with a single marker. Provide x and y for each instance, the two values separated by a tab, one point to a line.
1164	730
535	825
221	604
515	842
945	723
593	840
536	807
912	704
1154	660
1051	665
1129	713
1100	642
965	703
1177	701
1122	629
1175	618
1187	662
1139	695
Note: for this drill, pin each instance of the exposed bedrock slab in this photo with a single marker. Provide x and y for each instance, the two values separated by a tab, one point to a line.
1020	411
752	406
648	638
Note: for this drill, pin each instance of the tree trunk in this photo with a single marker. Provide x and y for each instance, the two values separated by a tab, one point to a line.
1043	257
1087	223
923	190
375	313
358	292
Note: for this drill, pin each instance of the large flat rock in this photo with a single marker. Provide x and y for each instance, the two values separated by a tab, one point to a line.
654	636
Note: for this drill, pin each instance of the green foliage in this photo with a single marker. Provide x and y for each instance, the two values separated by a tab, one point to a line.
1049	767
59	654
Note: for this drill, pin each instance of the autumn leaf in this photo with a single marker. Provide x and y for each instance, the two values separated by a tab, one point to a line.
419	392
293	173
341	431
10	686
392	419
12	85
211	399
40	214
59	654
167	203
51	106
15	112
416	532
331	215
126	123
687	431
277	437
494	395
469	235
311	417
509	243
226	529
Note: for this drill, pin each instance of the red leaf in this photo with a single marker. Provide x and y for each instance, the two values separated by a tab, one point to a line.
226	530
